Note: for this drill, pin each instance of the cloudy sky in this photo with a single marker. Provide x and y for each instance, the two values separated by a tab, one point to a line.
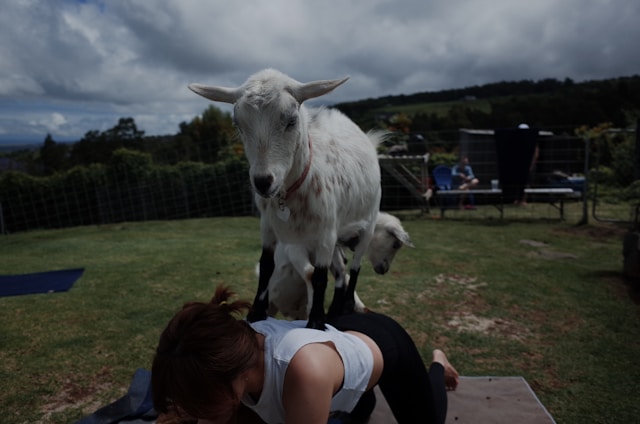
68	67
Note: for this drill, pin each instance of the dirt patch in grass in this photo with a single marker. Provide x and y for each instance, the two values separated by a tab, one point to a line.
598	232
468	305
623	286
500	327
544	252
552	254
534	243
73	394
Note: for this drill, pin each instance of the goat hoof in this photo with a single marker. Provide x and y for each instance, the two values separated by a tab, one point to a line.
316	325
348	308
256	315
334	311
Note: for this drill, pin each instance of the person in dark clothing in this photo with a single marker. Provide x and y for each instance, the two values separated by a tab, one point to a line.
408	387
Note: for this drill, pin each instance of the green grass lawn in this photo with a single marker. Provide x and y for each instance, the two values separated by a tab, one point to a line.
542	300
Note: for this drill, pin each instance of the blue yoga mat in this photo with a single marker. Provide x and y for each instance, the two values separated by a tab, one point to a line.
39	282
136	406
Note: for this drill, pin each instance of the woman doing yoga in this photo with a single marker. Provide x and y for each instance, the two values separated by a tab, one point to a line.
209	365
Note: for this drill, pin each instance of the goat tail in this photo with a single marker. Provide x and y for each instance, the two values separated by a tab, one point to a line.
377	137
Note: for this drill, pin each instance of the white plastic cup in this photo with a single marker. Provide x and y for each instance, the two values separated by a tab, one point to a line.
494	184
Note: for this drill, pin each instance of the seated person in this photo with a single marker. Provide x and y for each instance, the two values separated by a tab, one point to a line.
463	178
213	367
462	175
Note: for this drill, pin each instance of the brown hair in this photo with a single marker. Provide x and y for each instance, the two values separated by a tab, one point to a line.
200	352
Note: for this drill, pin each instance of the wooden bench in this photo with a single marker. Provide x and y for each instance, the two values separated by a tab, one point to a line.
554	196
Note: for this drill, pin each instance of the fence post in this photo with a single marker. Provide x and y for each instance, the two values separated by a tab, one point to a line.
1	220
636	174
585	187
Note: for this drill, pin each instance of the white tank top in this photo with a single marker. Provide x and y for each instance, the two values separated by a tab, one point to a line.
282	340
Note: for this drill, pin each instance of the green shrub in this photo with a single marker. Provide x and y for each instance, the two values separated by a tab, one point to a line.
447	159
623	162
632	192
601	175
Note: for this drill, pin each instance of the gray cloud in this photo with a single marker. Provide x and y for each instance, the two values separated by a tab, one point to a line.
68	67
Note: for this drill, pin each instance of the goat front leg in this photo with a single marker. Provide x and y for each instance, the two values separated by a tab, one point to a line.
258	311
349	302
339	271
317	317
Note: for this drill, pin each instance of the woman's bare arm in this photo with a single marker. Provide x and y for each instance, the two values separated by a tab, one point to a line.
314	374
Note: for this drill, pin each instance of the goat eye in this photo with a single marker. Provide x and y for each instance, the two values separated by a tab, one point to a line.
397	244
291	122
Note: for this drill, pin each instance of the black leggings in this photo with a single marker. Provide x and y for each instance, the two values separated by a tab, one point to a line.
413	393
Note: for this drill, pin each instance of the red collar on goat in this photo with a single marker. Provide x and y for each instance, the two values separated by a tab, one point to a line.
296	185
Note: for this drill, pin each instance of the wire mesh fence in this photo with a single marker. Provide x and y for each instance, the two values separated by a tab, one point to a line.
98	203
135	189
40	203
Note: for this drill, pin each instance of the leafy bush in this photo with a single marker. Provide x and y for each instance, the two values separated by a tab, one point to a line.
448	159
601	175
632	192
623	162
130	187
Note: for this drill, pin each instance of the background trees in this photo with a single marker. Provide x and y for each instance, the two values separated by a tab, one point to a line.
123	175
554	105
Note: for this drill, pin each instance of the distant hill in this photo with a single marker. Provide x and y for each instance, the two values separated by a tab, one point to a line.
557	106
545	103
12	147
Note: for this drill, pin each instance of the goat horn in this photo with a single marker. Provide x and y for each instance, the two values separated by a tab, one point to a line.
315	88
218	94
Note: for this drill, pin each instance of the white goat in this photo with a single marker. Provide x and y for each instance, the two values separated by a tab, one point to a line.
289	285
314	172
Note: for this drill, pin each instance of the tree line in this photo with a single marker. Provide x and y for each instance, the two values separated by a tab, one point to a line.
550	104
122	174
208	138
559	106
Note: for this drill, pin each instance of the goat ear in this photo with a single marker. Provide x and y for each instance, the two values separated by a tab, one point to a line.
403	236
313	89
217	94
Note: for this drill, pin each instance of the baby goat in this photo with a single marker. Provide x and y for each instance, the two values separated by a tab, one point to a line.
289	288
